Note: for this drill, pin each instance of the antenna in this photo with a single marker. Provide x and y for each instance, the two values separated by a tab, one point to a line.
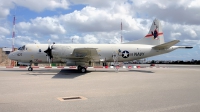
121	31
13	34
13	39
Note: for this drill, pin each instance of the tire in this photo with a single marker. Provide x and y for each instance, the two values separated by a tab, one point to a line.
30	69
83	70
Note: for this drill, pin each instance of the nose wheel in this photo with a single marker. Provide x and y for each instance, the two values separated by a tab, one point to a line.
30	69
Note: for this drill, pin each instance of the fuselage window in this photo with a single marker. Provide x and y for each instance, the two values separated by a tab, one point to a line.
40	50
19	48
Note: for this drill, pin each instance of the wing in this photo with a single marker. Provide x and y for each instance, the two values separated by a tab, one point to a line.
86	54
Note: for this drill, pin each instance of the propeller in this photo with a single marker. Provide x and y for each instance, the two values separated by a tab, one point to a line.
49	53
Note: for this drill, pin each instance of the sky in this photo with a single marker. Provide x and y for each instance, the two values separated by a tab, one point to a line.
99	22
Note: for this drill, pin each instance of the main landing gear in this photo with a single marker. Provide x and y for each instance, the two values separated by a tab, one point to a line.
82	69
30	68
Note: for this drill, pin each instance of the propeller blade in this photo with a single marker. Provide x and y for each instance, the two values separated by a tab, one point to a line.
48	52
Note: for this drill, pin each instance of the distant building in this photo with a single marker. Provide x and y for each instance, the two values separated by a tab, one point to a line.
4	60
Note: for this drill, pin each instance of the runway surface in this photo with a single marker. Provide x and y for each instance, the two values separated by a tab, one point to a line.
174	89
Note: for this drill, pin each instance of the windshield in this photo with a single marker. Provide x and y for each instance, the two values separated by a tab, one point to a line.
22	48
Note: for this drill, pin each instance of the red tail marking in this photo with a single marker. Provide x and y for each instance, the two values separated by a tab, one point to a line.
149	35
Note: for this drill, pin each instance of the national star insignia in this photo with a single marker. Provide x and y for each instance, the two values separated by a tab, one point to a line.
125	54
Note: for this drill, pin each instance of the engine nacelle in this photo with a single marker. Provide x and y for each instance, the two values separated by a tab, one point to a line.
61	51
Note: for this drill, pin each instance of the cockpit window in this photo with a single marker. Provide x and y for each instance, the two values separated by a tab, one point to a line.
21	48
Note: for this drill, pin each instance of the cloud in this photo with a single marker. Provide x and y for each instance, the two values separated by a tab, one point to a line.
18	41
41	5
23	40
4	31
42	26
91	19
100	22
88	21
36	5
177	34
194	3
180	32
5	42
5	6
191	32
98	3
181	11
75	39
54	37
4	12
90	39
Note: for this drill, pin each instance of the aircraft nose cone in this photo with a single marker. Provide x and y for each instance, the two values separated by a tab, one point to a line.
10	56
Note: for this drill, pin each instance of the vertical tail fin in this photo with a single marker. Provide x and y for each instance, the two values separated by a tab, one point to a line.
154	37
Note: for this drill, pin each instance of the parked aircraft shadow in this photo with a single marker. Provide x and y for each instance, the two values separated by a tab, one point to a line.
62	73
56	73
69	74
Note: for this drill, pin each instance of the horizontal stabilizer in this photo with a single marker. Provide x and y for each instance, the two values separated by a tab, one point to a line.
166	45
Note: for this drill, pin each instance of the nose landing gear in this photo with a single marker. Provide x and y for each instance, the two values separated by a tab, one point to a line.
30	68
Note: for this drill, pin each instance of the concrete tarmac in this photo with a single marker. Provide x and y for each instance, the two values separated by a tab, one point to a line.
135	90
